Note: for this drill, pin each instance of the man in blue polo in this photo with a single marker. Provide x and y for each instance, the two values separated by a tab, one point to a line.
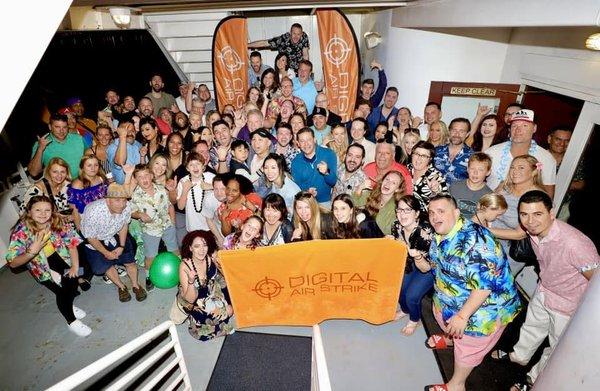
304	86
58	143
315	169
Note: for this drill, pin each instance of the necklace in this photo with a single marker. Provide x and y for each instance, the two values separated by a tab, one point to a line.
506	159
201	198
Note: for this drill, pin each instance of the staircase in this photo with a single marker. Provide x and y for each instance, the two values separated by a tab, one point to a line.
186	39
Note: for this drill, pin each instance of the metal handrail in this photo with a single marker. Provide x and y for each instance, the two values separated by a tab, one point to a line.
128	349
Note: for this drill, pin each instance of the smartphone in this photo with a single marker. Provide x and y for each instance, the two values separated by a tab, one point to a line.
79	272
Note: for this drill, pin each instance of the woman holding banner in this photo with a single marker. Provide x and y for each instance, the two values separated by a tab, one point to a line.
411	229
203	292
277	228
345	222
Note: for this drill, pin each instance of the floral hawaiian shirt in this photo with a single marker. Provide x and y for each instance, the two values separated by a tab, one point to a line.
156	207
21	238
283	44
469	258
456	169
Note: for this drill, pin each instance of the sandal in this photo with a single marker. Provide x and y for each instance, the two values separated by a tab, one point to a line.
439	342
399	315
84	284
410	327
436	387
501	355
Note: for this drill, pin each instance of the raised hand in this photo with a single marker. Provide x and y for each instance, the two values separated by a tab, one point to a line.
483	110
322	167
44	141
376	65
38	243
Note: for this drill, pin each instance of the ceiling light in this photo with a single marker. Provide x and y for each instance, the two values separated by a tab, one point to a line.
372	39
593	42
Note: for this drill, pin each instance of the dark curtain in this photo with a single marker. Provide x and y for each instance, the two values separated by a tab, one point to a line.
83	64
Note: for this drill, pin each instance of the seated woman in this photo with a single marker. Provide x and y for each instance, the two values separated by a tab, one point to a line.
416	233
309	222
241	203
87	188
54	185
380	203
427	180
276	180
277	228
48	247
343	224
247	237
203	292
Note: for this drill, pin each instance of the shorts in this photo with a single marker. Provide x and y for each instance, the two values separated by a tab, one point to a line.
151	243
470	351
100	264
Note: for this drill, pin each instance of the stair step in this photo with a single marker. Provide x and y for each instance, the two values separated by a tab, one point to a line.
192	55
190	43
196	67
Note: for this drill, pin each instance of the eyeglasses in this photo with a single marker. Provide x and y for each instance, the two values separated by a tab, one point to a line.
414	154
404	211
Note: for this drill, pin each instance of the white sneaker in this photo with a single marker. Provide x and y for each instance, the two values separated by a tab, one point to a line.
79	313
121	271
80	329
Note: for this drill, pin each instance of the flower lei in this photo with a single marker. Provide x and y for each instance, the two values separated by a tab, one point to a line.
506	158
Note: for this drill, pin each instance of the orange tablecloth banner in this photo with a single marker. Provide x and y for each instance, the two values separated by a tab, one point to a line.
302	284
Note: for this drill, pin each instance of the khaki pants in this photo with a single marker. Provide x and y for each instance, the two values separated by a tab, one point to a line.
540	323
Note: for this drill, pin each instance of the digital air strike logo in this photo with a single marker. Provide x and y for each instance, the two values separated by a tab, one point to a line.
337	51
339	283
234	87
268	288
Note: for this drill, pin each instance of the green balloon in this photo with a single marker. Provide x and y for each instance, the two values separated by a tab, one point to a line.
164	272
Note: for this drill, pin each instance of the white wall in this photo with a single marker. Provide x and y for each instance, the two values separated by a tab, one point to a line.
413	58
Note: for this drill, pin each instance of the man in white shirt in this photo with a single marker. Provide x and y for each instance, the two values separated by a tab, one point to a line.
522	128
359	128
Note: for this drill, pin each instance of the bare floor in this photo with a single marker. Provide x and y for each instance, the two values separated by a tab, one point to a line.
38	350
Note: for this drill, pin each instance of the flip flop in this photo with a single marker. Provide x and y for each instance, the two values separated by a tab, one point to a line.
436	387
439	342
410	328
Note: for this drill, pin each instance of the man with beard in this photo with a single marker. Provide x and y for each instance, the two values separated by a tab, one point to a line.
384	112
256	69
220	153
475	294
158	97
452	159
205	96
181	124
558	142
567	261
122	151
76	105
180	100
349	175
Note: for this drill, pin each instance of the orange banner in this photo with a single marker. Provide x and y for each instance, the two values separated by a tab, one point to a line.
302	284
339	56
230	61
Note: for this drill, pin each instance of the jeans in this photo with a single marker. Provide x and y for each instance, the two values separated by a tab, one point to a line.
414	286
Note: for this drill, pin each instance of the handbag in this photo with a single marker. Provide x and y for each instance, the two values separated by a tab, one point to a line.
522	251
178	313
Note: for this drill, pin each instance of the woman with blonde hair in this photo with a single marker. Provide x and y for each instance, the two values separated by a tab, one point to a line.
88	187
380	203
337	141
54	184
489	208
438	133
103	138
307	218
525	174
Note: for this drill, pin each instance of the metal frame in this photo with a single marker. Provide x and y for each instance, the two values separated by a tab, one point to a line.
319	372
96	367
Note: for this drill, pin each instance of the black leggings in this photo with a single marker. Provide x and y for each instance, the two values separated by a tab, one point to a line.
66	291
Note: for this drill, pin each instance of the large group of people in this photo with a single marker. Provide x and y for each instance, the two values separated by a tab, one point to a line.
187	176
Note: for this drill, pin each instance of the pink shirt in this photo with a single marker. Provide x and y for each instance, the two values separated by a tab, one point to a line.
563	255
371	172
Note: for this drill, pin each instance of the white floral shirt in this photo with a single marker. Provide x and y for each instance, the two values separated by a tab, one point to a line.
156	207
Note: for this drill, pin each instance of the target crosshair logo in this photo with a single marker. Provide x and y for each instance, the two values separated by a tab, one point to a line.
268	288
230	59
337	51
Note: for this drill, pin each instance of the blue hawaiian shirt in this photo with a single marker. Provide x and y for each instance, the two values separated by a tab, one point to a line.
469	258
455	170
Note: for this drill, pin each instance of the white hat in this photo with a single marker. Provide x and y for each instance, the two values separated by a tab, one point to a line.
523	115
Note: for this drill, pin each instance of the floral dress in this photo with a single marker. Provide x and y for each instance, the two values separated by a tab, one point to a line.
212	297
60	199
